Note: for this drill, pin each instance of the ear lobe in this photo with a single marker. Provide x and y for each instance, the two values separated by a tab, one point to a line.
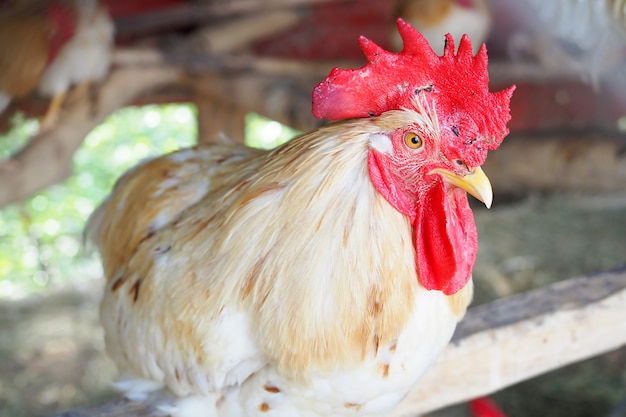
381	143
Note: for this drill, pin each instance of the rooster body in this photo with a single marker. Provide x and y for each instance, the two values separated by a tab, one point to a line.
321	278
50	46
369	329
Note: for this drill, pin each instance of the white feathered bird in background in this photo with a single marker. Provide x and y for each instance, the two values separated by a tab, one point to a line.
435	18
587	37
84	59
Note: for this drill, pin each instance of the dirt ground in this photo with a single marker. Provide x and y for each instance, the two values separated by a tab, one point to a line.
51	349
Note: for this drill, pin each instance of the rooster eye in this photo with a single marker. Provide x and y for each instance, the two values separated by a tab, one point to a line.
412	140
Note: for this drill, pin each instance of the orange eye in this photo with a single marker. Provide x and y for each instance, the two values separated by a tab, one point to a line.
412	140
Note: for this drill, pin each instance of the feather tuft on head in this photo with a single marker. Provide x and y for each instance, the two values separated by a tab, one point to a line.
472	119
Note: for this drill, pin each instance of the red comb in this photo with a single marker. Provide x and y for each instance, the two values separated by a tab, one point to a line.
457	84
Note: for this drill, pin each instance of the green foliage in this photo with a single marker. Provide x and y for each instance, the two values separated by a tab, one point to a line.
264	133
40	238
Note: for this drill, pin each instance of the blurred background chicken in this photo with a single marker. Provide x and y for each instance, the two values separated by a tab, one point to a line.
435	18
51	46
586	37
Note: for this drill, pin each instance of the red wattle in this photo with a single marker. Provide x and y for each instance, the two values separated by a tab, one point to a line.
445	239
444	232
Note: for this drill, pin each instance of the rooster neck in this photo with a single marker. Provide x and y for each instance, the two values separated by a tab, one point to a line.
335	245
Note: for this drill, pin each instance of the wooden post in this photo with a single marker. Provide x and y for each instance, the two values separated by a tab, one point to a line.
216	118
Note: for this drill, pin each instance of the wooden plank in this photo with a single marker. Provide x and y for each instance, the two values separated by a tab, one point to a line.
514	339
499	344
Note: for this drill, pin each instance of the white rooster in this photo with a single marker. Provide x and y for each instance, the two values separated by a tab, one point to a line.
85	58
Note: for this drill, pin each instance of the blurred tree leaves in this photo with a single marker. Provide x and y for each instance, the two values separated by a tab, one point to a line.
40	238
265	133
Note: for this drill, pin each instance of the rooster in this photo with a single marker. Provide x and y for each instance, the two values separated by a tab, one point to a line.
322	277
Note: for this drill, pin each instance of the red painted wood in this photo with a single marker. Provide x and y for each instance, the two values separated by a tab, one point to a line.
123	8
330	31
567	105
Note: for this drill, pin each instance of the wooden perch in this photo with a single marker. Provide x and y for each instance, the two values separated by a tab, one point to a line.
46	159
516	338
499	344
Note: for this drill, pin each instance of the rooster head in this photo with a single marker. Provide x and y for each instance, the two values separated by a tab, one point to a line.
437	121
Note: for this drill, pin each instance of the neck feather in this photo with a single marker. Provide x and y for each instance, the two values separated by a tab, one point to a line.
334	275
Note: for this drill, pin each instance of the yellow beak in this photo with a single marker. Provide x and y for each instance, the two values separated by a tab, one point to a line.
476	183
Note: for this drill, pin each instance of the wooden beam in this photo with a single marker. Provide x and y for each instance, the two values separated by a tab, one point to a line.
240	33
499	344
285	99
190	14
281	89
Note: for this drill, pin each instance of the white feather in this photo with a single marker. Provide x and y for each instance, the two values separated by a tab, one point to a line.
474	22
381	142
137	389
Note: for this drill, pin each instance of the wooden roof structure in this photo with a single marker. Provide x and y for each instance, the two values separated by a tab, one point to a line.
231	57
299	39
